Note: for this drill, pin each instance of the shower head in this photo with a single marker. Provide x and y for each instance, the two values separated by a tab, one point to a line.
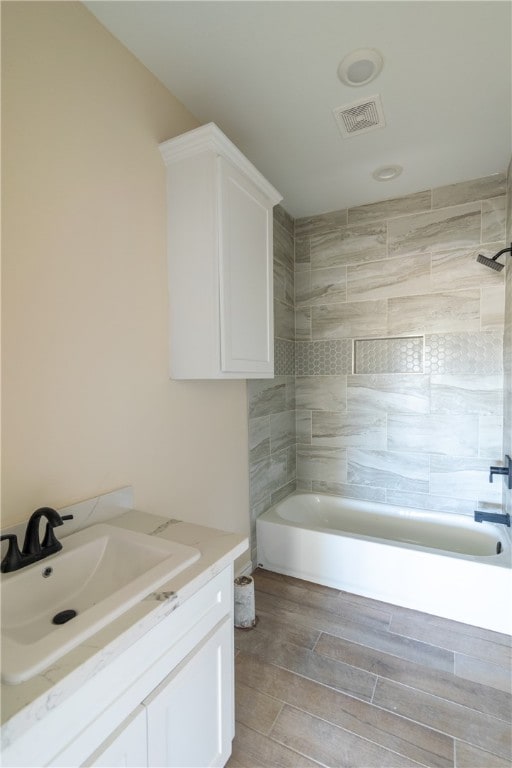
492	263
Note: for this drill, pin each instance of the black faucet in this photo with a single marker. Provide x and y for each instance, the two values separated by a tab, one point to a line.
492	517
33	550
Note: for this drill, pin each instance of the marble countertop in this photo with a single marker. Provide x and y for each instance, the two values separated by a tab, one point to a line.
24	704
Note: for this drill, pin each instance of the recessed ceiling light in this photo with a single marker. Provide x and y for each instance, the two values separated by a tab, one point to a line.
360	67
387	172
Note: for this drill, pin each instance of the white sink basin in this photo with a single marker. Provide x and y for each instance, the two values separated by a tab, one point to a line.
100	573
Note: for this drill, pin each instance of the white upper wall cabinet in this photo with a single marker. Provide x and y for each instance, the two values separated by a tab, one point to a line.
220	249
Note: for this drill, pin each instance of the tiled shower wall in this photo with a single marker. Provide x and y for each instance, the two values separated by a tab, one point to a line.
272	401
507	347
415	418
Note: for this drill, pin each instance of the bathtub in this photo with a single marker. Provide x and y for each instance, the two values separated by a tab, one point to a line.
439	563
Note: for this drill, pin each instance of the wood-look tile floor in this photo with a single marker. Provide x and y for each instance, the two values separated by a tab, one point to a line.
332	679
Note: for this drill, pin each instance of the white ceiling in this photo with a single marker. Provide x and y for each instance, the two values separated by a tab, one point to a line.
266	73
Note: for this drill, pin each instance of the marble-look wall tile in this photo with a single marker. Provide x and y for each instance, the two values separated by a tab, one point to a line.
328	393
384	469
363	492
317	358
259	438
266	396
479	394
492	308
282	430
455	227
359	318
444	434
303	426
463	353
364	429
284	266
324	222
445	312
302	253
459	268
284	320
283	492
349	245
328	286
507	344
303	324
430	502
282	217
463	479
389	393
493	219
266	476
400	276
490	443
389	209
302	288
468	191
315	462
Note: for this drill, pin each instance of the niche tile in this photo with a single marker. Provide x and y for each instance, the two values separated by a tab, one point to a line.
399	355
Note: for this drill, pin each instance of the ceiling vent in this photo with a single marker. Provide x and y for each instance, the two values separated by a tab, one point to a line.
360	116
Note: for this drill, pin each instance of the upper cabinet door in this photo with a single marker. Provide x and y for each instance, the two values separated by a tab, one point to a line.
245	272
220	259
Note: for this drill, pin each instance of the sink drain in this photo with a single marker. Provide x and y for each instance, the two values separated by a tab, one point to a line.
63	616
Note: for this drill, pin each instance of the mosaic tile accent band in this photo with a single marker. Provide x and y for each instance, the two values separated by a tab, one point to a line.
323	358
284	357
393	355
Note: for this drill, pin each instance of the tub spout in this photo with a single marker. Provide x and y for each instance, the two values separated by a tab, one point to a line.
492	517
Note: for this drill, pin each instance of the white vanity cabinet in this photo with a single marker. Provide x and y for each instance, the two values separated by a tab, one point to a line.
166	700
220	259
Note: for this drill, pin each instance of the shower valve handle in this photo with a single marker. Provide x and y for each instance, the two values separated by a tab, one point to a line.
507	470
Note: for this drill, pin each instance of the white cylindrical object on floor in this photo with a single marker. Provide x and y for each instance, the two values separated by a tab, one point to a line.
245	617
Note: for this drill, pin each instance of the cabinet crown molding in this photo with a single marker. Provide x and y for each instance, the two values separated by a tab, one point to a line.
209	137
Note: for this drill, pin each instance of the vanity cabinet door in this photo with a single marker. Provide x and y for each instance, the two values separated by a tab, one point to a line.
190	715
126	747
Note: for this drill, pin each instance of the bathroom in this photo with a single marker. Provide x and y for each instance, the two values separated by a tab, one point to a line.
88	405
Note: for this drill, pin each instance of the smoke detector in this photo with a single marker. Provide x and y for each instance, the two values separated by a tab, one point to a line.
360	116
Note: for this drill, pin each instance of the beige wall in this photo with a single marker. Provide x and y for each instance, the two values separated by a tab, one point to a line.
87	403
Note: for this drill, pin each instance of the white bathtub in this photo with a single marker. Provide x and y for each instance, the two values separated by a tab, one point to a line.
443	564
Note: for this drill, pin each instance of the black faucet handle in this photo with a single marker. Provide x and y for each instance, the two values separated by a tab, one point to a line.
50	540
13	558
